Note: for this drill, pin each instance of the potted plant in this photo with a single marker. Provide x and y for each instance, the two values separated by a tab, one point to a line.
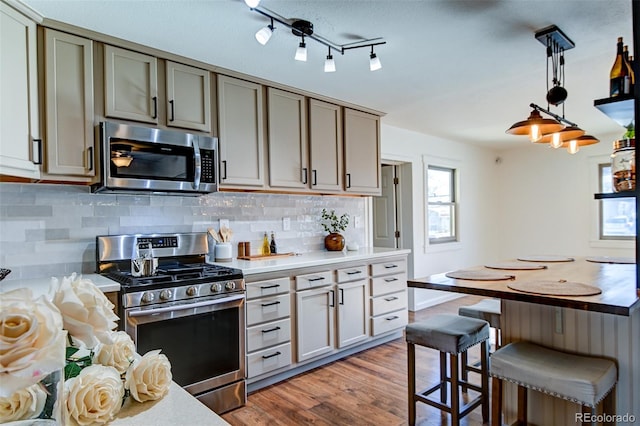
333	225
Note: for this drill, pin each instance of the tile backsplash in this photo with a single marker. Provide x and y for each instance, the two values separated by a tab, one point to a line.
49	230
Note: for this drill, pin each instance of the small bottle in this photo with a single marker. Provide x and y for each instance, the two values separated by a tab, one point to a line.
618	72
272	246
629	79
266	250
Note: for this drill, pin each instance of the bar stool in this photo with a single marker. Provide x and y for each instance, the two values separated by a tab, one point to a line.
488	310
450	334
581	379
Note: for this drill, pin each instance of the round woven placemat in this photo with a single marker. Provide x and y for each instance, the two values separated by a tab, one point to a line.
515	266
479	275
546	258
555	288
608	259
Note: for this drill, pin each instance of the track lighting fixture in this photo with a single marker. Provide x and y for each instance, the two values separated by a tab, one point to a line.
302	28
264	34
374	61
329	63
557	131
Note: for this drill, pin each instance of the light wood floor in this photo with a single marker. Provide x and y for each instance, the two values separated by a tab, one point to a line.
368	388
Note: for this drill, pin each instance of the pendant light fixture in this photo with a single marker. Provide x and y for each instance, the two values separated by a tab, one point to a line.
557	131
302	28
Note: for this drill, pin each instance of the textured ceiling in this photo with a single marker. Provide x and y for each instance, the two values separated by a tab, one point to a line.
460	70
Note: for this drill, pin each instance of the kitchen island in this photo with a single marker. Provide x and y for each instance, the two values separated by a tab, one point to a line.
605	325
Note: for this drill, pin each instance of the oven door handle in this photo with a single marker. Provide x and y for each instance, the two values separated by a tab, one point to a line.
182	307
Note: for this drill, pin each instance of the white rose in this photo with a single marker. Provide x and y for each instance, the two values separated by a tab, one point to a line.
94	396
32	341
24	404
149	377
86	312
119	355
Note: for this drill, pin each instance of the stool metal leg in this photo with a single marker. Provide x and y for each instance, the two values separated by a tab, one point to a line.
411	367
484	377
522	405
443	377
496	401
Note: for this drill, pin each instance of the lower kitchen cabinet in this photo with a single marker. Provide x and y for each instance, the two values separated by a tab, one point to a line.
352	307
315	312
388	296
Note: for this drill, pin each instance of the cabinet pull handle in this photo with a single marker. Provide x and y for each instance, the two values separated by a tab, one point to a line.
390	266
173	116
316	279
304	175
348	180
392	318
155	107
272	355
37	149
354	272
390	280
265	287
90	158
389	299
332	296
314	173
277	302
342	296
224	169
271	329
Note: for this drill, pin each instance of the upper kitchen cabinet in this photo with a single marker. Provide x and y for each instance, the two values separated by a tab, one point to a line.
287	124
20	146
188	97
69	131
362	152
240	133
325	146
131	85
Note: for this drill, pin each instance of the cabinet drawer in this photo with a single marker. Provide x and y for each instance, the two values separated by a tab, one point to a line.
318	279
268	334
268	360
388	284
388	303
390	267
267	288
389	322
352	274
268	309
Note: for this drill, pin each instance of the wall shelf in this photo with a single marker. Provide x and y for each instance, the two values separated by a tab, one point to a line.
619	109
625	194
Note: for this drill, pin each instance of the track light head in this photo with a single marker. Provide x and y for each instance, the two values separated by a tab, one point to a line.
252	3
264	34
301	51
329	64
374	62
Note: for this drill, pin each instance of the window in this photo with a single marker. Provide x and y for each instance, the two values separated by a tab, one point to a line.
441	204
617	215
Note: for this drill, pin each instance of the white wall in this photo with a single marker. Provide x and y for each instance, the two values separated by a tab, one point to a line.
477	203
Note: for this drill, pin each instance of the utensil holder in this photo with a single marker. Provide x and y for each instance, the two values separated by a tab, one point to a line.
223	252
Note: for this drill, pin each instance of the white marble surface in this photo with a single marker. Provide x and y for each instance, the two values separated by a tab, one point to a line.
305	260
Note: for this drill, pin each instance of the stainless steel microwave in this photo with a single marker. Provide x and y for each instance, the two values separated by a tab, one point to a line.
136	158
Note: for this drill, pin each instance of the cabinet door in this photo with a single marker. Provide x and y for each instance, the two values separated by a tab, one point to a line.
325	145
188	97
287	123
353	313
362	152
315	322
19	125
69	104
241	133
131	85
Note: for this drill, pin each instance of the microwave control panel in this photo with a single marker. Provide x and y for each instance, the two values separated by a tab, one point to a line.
207	158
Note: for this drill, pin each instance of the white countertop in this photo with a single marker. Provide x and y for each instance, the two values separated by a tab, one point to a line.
42	285
305	260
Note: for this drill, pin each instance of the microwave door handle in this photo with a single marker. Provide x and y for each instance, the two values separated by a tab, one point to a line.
197	162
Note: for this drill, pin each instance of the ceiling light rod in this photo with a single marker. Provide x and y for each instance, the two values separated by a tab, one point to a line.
347	47
556	116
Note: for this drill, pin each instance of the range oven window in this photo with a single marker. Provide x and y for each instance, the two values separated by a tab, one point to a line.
199	346
154	161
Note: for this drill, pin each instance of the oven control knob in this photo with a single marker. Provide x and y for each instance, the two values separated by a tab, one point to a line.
216	288
165	294
230	285
147	297
192	291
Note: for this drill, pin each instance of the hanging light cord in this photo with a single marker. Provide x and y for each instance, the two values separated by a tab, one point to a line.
555	54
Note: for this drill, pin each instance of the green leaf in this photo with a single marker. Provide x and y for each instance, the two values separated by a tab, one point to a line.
71	370
70	351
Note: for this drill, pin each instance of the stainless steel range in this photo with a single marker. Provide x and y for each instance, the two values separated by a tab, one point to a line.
193	311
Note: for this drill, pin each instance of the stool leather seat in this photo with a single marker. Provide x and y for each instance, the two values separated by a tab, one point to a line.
448	333
486	309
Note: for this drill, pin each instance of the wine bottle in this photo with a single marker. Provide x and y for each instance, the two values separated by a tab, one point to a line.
272	247
629	79
618	72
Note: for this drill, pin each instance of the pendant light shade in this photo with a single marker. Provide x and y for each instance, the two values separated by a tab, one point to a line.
252	3
535	126
573	147
329	63
301	52
558	138
584	140
264	34
374	62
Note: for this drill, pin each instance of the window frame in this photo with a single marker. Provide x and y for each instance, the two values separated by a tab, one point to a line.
453	204
601	236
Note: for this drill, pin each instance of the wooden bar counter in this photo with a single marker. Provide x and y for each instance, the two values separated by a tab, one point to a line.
605	325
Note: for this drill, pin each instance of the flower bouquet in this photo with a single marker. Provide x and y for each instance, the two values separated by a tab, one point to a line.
61	358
